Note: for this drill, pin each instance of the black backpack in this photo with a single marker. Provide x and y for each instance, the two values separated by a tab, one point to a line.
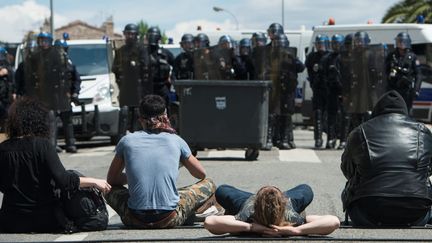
86	209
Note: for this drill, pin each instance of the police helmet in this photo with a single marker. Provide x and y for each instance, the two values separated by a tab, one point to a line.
226	41
201	40
131	28
44	37
258	39
322	42
187	42
348	40
361	38
3	50
60	43
280	40
245	46
66	36
403	41
337	42
154	35
273	29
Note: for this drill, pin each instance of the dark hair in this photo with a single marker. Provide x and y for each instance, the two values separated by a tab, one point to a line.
27	117
152	105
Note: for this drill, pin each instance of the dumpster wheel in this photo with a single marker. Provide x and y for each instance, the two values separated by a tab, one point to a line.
251	154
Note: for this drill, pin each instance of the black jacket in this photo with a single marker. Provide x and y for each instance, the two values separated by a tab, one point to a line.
389	155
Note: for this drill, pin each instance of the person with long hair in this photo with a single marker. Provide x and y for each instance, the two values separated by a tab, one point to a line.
270	212
31	172
151	158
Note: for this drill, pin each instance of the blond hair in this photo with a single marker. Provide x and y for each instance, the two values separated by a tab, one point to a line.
270	205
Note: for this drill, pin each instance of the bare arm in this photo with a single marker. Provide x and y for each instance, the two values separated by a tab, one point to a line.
219	225
315	224
102	185
194	167
116	176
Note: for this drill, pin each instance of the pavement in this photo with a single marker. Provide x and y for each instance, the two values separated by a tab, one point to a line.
285	169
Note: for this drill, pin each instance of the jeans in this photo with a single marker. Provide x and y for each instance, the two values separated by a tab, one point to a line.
232	199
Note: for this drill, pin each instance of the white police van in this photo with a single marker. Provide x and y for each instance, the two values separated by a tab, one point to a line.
99	113
421	41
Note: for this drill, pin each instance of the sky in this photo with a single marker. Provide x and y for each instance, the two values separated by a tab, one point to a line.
176	17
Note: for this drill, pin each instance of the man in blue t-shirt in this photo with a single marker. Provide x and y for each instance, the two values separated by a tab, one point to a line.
151	159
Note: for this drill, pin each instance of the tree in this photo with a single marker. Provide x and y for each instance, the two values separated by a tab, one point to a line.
142	30
406	11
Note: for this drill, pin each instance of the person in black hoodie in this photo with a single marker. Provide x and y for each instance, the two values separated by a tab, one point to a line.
387	163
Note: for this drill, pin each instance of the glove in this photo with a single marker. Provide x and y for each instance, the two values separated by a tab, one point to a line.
75	100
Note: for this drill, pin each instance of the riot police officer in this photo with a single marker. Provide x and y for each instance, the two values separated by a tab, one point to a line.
246	70
131	67
333	79
183	63
314	65
224	59
283	73
161	62
402	70
7	90
50	81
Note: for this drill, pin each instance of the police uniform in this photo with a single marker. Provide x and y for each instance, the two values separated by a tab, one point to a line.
184	66
402	73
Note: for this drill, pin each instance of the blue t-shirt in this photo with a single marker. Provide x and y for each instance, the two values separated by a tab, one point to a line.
152	168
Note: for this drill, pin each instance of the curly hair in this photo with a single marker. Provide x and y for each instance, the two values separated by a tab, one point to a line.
27	117
270	205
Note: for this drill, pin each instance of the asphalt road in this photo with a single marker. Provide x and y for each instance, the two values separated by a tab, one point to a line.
285	169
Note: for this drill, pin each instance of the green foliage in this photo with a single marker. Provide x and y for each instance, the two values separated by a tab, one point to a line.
406	11
142	30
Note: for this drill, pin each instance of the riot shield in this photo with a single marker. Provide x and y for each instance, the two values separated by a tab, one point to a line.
131	66
203	63
377	73
346	70
222	59
359	96
261	62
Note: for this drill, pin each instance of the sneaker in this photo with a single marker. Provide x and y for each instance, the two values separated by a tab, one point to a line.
213	210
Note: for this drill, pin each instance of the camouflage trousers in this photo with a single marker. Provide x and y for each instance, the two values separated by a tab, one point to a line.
191	198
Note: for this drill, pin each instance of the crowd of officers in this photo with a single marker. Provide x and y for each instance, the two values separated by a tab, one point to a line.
47	74
141	70
346	74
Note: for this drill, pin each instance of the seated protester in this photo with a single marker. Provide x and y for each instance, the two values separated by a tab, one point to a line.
30	171
387	163
152	159
270	212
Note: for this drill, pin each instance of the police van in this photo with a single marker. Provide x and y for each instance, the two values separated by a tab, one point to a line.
98	113
421	42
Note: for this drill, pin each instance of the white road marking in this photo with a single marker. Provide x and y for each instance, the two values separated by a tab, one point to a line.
225	154
299	155
72	237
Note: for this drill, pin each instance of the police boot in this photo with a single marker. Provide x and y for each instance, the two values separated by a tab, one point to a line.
289	126
276	139
331	132
344	131
52	120
283	133
270	129
318	129
69	139
123	121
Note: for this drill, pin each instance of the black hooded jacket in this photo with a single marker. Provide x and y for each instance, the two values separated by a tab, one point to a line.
388	156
